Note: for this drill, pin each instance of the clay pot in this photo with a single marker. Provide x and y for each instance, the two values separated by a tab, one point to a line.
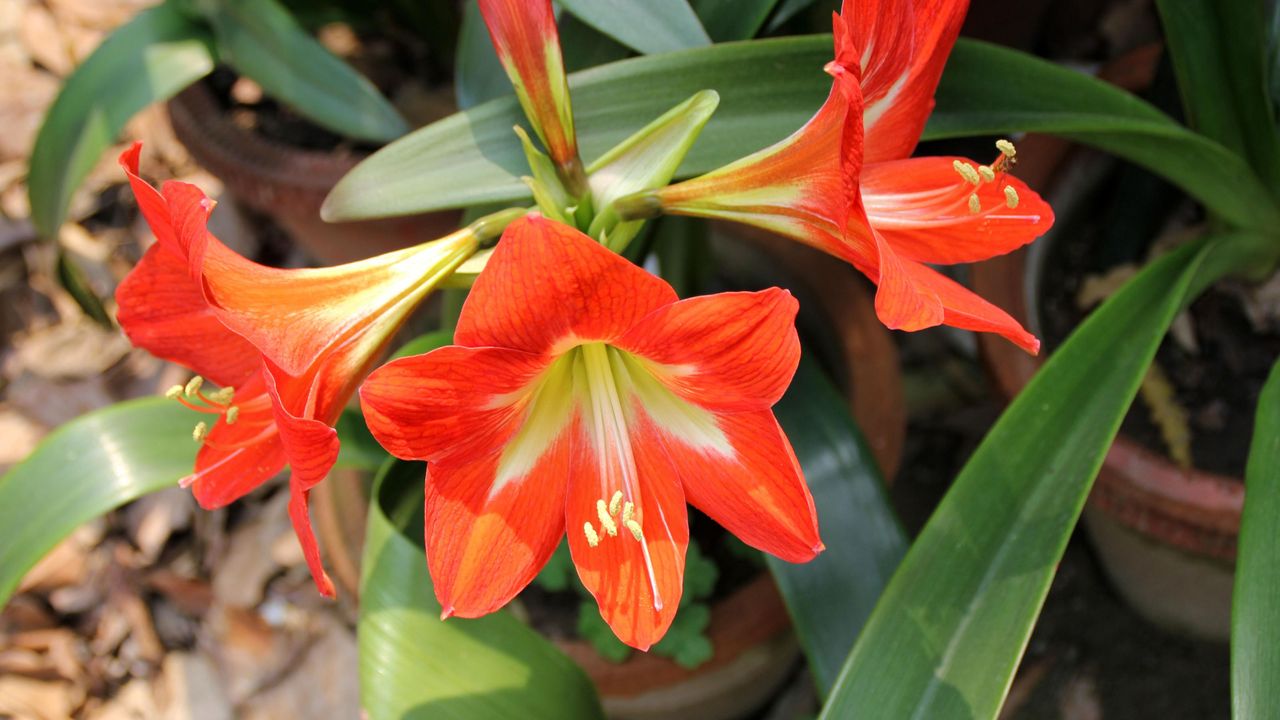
290	183
1166	536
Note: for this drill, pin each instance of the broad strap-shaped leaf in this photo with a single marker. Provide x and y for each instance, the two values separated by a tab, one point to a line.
831	596
89	466
948	633
151	58
767	90
652	26
1038	96
727	20
477	73
414	665
1255	614
1217	51
262	41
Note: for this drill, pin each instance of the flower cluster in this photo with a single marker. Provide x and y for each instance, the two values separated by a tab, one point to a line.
581	397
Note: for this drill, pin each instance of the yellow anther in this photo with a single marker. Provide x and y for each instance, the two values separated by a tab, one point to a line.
636	530
200	432
174	392
975	205
986	172
1006	148
193	386
966	171
223	396
592	538
615	502
628	512
1010	196
233	413
606	522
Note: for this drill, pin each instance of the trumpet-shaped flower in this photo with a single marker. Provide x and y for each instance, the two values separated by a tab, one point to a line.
288	347
528	45
844	184
583	398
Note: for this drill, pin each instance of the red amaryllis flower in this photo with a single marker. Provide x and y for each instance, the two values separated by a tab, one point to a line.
582	397
528	44
288	347
842	182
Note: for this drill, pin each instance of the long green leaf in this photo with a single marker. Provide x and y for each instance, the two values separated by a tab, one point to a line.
1035	95
414	665
727	20
1255	615
767	89
262	41
148	60
478	74
652	26
1193	38
1243	26
831	596
89	466
947	635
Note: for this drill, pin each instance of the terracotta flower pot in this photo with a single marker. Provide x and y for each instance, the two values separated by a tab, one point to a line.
1166	536
289	183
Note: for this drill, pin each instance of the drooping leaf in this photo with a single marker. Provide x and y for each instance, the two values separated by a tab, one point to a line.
1039	96
652	26
263	42
948	633
147	60
1255	615
414	665
87	467
831	596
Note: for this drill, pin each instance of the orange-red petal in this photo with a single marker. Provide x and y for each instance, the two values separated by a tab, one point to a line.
548	287
921	207
484	546
965	309
904	45
637	583
730	351
451	401
238	457
163	311
311	447
758	493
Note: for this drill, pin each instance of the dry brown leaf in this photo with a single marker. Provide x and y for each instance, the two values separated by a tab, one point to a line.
1170	417
73	350
66	564
45	41
38	700
135	701
325	683
191	689
190	595
152	519
243	570
250	653
18	436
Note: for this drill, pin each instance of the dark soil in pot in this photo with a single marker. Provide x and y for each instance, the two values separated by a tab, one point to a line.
1219	360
